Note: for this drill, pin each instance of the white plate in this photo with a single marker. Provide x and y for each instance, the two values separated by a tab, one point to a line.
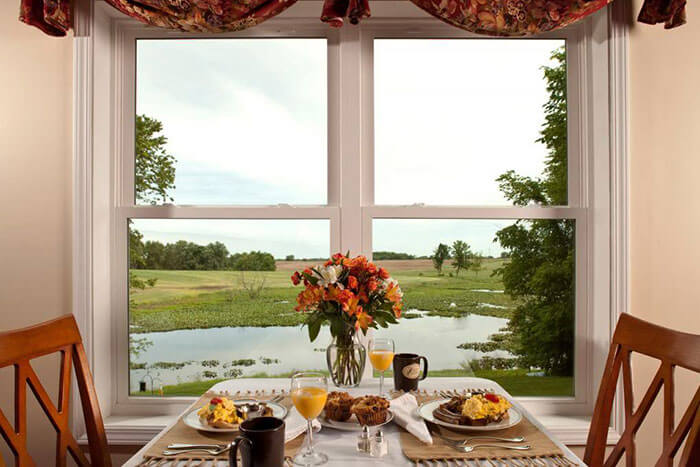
425	411
193	421
352	424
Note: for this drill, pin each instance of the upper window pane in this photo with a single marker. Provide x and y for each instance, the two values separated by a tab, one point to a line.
454	115
244	120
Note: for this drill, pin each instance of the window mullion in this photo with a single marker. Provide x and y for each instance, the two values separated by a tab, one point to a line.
351	116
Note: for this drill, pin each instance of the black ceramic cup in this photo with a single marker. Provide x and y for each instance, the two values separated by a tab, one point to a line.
407	371
261	443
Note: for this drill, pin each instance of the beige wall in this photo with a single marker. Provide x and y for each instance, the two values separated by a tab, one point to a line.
665	193
35	186
35	191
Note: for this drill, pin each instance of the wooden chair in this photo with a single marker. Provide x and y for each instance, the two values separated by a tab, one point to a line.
672	348
17	348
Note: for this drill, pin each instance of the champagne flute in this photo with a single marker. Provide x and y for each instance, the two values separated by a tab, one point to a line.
309	392
381	354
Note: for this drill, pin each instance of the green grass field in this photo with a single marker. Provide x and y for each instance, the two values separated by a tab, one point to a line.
204	299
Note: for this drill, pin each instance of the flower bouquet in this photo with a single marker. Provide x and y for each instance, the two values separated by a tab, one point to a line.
350	294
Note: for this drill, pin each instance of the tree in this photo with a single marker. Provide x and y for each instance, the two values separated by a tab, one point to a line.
477	264
384	255
154	168
154	176
289	258
461	256
136	249
540	272
441	253
253	261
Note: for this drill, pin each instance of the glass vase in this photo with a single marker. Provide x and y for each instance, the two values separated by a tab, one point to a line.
346	358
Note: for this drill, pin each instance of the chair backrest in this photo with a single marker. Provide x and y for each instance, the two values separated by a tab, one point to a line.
672	348
17	348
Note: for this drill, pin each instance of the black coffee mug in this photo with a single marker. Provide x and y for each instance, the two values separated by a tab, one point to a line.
407	371
261	442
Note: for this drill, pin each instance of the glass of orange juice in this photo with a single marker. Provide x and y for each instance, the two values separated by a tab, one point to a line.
309	392
381	355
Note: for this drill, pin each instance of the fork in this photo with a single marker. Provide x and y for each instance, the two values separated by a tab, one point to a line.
214	451
500	446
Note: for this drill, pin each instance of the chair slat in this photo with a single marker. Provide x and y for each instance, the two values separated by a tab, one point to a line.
630	448
18	348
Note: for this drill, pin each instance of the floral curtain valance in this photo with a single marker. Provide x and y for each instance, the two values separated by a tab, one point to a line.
493	17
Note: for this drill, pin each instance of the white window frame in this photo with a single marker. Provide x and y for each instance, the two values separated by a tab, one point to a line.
103	166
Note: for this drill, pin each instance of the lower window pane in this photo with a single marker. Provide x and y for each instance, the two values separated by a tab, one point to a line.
486	298
212	299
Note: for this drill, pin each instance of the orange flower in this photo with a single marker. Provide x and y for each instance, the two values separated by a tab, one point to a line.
337	258
397	309
363	321
296	278
308	298
393	292
352	282
342	296
353	306
363	296
371	268
357	264
372	285
383	273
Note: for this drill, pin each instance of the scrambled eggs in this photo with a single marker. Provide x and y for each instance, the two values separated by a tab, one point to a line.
220	412
485	406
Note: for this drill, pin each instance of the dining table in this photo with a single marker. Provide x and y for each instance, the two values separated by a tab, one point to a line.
340	446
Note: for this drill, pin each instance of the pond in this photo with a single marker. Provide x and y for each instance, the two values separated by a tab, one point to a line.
277	350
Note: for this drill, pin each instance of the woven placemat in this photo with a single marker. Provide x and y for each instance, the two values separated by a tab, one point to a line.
542	447
181	433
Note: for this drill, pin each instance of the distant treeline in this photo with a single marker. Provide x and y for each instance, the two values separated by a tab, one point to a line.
183	255
384	255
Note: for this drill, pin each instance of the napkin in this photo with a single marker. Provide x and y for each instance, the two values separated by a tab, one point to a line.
295	425
405	413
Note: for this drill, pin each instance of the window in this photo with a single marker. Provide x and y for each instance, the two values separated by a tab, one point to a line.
285	143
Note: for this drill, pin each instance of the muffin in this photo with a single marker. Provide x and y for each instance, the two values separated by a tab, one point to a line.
370	410
338	406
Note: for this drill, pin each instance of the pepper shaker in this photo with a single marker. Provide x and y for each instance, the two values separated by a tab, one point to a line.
363	440
378	447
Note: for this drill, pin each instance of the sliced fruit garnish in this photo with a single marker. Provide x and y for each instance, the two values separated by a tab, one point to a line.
492	397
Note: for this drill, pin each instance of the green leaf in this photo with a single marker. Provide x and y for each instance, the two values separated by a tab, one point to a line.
338	326
314	323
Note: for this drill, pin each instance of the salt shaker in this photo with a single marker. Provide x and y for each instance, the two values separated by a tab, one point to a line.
378	446
363	440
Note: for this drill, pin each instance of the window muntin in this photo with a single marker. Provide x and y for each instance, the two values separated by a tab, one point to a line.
245	119
222	302
451	116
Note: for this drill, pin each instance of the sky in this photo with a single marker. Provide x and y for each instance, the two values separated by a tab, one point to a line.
246	121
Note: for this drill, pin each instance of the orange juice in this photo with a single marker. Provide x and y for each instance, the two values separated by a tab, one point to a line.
381	359
309	401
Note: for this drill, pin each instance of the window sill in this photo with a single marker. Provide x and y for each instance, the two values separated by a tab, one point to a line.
128	430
